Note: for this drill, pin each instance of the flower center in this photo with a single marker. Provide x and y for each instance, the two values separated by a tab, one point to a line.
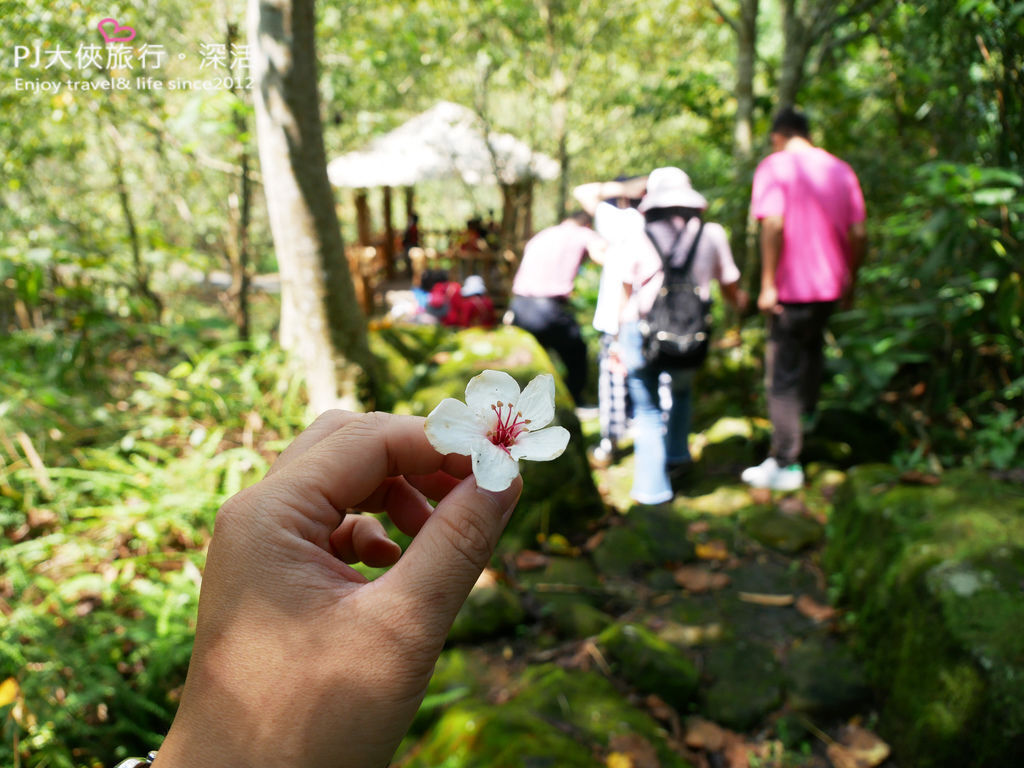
509	427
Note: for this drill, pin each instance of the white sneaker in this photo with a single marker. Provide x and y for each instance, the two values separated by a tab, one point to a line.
768	474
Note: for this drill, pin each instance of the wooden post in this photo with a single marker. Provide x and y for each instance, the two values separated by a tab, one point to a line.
410	204
389	235
362	217
527	209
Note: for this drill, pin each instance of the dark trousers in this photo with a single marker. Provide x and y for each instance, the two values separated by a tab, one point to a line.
550	320
794	362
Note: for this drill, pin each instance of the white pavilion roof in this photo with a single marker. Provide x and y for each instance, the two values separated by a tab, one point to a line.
446	140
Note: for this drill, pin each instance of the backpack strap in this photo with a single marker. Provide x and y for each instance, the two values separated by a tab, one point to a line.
667	255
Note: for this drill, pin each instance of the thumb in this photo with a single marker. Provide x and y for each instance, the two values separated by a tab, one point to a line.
446	557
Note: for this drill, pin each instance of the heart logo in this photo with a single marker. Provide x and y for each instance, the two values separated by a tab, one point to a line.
118	34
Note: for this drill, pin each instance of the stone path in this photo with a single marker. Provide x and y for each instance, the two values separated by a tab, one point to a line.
696	633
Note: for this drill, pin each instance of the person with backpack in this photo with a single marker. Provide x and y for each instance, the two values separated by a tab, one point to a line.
665	325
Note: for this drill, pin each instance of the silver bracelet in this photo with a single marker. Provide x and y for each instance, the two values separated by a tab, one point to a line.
138	762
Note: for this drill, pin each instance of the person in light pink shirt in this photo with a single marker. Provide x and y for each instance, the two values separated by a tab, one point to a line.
541	288
811	210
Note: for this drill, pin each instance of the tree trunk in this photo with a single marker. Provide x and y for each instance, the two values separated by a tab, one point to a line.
326	329
560	127
746	59
745	232
743	239
389	233
240	205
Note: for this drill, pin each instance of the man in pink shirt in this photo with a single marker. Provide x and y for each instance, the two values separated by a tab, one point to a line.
540	292
811	210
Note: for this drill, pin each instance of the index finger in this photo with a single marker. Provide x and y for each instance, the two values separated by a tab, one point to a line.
347	466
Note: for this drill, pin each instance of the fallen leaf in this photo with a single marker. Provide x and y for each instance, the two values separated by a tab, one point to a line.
857	748
697	579
690	634
704	734
814	610
636	749
698	527
618	760
914	477
713	550
8	691
758	598
792	505
530	560
488	578
41	518
659	709
737	752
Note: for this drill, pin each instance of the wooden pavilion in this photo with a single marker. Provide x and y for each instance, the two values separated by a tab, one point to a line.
448	141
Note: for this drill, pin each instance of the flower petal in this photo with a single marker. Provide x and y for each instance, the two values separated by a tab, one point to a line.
490	387
453	428
537	403
493	468
542	445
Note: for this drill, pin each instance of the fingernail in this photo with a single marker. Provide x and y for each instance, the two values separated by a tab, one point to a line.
504	500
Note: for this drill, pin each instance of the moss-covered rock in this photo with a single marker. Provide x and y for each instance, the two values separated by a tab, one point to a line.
650	664
824	678
665	531
488	612
934	576
405	353
786	533
592	708
568	595
649	536
623	552
557	718
746	684
558	496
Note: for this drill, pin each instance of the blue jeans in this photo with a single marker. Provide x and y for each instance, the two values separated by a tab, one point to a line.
660	439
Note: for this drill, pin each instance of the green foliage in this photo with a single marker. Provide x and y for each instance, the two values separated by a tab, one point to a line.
100	573
939	338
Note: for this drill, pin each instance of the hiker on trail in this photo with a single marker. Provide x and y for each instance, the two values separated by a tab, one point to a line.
616	219
675	233
811	210
473	305
541	288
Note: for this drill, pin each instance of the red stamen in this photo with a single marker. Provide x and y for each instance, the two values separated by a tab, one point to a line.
508	427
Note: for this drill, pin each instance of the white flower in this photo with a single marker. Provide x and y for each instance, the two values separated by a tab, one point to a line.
497	426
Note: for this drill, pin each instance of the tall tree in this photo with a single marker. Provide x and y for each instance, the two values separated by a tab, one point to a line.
744	24
827	25
320	319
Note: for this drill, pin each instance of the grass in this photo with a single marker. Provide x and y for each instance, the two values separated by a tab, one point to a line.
116	449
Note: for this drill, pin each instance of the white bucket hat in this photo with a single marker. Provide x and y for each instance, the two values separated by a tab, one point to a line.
474	286
671	188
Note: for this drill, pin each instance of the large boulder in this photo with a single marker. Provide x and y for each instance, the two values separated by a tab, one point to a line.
650	664
934	575
556	718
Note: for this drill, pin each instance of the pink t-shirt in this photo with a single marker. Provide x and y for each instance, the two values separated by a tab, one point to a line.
819	198
552	258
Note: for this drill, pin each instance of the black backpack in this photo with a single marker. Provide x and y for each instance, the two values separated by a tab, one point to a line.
677	329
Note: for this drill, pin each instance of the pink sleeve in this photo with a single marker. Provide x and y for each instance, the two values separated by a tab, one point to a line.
726	272
857	208
768	198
